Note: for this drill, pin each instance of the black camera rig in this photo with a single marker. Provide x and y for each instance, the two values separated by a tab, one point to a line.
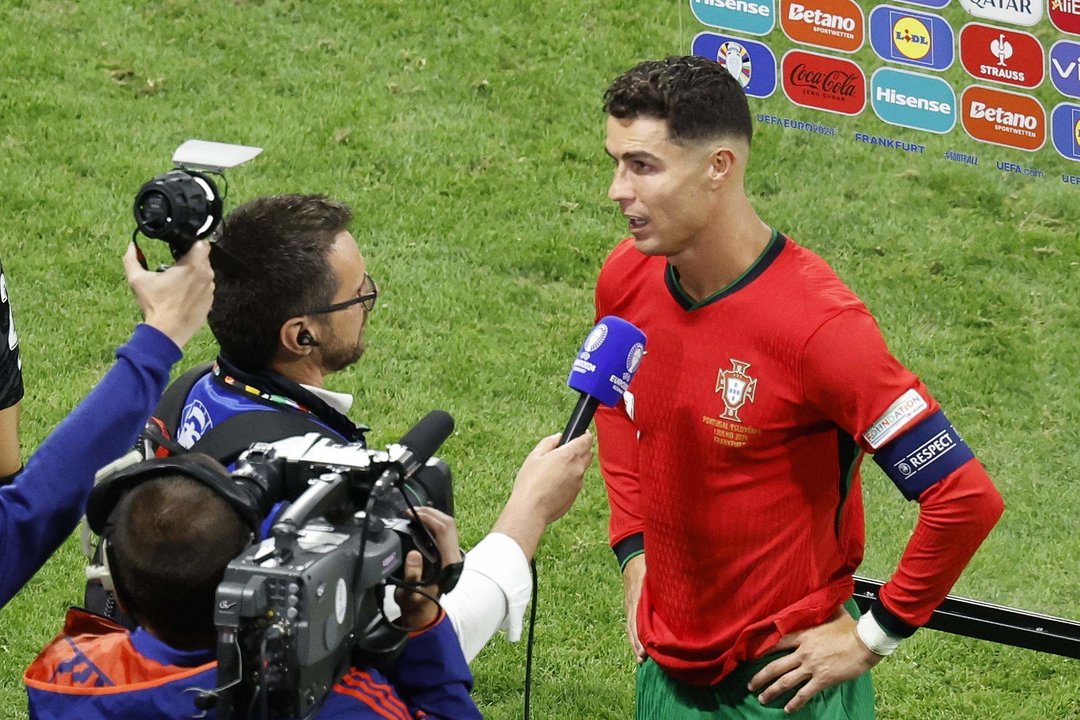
296	610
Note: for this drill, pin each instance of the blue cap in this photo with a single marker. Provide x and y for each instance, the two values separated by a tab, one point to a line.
607	360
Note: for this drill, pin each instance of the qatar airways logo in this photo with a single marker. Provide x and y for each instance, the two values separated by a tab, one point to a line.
1015	12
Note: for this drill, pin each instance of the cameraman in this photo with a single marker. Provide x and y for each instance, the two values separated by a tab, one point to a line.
167	563
45	501
293	298
11	388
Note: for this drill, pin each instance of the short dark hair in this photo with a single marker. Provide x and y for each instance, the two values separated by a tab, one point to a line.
170	542
274	266
697	97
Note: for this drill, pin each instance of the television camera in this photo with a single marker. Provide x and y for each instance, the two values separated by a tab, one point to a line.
294	611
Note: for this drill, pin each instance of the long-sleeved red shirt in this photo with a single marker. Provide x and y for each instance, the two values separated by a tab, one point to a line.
734	460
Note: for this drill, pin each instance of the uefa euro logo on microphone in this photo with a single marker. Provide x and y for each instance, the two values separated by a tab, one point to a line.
607	360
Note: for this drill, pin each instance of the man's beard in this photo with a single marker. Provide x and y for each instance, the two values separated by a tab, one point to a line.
339	357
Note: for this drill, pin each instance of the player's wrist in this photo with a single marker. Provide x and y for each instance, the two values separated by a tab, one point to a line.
876	638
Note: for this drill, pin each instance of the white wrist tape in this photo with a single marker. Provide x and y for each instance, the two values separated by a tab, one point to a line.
875	637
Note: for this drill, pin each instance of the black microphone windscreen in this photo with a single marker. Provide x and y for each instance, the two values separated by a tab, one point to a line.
426	436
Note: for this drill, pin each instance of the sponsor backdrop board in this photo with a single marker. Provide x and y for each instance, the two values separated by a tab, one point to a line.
989	84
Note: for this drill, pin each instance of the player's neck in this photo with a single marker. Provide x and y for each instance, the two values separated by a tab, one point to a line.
723	254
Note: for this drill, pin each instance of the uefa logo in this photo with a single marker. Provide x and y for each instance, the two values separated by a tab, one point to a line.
751	63
911	38
633	358
595	339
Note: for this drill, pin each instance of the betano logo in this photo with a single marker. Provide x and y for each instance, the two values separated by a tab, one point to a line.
911	38
1003	118
829	24
913	100
1015	12
824	83
1065	15
1001	55
756	17
751	63
1065	67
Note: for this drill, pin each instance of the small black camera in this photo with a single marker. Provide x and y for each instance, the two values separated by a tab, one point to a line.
184	204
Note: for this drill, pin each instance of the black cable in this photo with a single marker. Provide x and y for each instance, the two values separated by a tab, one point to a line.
529	643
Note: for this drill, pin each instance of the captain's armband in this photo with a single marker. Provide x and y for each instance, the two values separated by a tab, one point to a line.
924	455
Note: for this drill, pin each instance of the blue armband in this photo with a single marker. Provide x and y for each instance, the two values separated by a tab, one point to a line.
924	455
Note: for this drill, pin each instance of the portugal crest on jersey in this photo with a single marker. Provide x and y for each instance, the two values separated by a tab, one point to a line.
736	388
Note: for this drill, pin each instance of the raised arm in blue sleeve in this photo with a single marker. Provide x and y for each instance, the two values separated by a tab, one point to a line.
44	504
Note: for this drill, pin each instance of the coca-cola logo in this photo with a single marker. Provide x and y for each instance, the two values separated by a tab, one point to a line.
824	82
834	81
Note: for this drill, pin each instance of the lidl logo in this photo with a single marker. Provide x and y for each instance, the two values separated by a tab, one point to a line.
913	100
751	63
1003	118
1065	130
823	82
1065	67
829	24
1065	15
912	38
756	17
1016	12
1001	55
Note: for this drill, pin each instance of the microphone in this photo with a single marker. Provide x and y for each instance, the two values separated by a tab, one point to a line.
423	439
602	370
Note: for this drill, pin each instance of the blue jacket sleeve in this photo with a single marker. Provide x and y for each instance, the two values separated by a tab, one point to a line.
41	508
430	679
431	675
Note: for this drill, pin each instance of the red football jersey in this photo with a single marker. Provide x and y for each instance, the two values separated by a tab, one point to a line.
736	452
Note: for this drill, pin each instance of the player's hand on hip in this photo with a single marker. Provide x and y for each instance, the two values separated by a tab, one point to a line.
820	658
633	581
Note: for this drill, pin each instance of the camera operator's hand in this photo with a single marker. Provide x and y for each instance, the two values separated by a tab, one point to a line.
417	611
546	486
176	301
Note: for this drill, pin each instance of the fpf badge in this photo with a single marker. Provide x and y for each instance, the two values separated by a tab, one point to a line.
736	388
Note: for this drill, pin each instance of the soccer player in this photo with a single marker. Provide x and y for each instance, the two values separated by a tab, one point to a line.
732	467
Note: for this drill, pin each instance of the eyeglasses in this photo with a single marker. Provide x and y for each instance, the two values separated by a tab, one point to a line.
366	299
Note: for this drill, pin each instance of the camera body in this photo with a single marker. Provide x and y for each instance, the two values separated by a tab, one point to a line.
294	611
184	205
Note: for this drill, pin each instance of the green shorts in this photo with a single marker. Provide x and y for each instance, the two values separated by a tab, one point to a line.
661	697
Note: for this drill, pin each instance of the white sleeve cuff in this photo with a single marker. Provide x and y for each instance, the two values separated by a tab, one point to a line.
500	559
492	594
875	637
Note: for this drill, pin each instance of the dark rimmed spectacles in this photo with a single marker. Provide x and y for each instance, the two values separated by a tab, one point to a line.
366	299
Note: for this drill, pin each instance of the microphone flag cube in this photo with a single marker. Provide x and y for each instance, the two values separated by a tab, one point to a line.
607	360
